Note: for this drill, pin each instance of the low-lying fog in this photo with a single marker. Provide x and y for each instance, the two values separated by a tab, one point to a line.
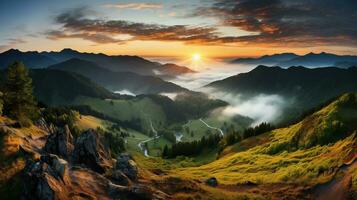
261	108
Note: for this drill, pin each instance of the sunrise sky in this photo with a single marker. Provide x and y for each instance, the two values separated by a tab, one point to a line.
212	28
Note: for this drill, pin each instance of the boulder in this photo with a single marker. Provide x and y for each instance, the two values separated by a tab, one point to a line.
91	151
212	182
118	177
44	180
127	165
60	143
58	165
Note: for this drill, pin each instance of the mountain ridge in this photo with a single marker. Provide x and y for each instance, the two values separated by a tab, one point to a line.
310	60
117	81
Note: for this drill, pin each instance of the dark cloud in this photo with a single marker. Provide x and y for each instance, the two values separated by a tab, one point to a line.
324	22
271	22
76	24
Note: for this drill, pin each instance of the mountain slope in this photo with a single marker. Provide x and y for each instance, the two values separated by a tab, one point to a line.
306	88
117	81
59	87
291	161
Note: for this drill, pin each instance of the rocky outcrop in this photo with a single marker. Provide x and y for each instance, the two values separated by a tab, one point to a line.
127	166
60	143
46	179
91	151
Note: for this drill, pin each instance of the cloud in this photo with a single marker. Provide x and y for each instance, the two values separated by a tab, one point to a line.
134	6
76	24
94	37
284	22
270	23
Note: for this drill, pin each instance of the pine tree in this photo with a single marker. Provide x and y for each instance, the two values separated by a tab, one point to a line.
19	101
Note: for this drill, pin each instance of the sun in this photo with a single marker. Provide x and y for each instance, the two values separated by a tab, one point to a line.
196	57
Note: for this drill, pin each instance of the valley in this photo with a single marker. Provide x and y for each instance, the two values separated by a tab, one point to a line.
235	138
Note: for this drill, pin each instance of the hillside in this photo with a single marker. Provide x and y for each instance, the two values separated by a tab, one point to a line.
117	81
292	162
303	87
54	87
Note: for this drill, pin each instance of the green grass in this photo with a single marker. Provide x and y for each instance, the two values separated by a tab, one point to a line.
144	109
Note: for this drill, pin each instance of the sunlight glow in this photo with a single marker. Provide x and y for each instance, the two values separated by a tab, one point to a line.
196	57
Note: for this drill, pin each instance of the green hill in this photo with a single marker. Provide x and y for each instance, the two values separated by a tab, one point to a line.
286	162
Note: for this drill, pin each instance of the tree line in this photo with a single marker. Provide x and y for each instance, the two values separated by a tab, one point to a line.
212	141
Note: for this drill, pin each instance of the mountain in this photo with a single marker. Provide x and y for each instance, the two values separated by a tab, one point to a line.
304	87
310	60
31	59
266	60
117	81
317	60
54	87
174	70
118	63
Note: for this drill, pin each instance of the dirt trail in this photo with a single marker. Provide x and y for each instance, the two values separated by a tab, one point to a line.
211	127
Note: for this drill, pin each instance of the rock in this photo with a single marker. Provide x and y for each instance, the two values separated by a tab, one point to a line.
43	182
127	165
212	182
120	178
60	143
42	124
137	192
57	164
91	151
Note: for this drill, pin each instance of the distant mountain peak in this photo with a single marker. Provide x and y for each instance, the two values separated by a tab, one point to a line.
12	51
68	50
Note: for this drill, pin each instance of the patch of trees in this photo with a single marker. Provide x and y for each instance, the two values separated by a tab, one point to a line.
191	148
257	130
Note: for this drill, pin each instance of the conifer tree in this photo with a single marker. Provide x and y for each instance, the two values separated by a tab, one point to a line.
19	101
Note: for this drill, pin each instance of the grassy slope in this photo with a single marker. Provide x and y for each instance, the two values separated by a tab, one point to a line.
144	109
298	153
300	156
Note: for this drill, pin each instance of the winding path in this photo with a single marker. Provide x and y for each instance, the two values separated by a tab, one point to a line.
211	127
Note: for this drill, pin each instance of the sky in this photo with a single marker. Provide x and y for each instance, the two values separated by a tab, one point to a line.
171	28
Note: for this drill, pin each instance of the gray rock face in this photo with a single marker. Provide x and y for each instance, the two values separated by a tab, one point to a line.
126	164
212	182
60	143
91	151
120	178
45	179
